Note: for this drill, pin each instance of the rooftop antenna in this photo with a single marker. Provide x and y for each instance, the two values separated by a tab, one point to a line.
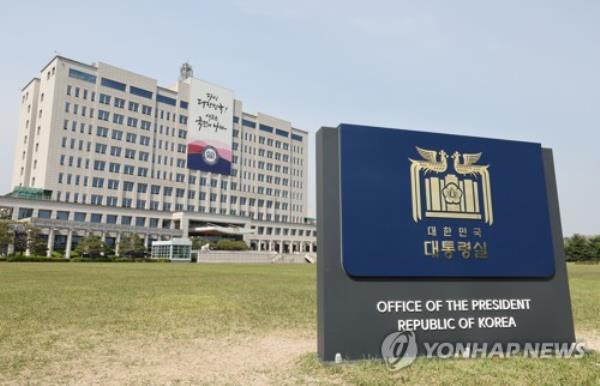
186	71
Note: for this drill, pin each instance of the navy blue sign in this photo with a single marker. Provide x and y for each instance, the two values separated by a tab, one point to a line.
418	204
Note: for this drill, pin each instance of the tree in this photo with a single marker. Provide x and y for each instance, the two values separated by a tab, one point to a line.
23	237
6	236
577	248
37	245
595	247
131	245
20	239
92	246
199	242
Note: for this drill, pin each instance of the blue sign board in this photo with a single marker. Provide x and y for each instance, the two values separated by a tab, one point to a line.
416	204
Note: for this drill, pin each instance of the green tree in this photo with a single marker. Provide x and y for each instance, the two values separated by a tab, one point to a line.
577	248
92	246
37	245
199	242
20	239
6	235
131	245
595	247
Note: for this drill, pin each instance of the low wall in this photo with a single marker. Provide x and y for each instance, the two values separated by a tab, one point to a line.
252	257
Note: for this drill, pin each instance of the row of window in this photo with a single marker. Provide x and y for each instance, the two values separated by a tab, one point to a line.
117	135
141	221
95	218
267	141
268	129
167	207
120	103
120	86
167	191
262	230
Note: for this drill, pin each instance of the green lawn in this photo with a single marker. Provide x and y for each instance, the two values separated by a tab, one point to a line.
53	316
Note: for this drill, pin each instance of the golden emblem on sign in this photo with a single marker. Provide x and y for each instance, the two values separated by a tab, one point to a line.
464	194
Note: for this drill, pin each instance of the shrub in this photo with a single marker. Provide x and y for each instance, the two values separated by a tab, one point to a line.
157	261
231	245
57	254
87	259
36	259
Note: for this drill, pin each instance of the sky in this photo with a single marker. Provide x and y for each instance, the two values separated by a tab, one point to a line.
522	70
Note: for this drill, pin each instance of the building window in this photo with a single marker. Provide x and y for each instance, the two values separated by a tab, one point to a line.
104	99
44	213
79	217
133	106
140	92
96	200
25	213
266	128
96	218
282	133
103	115
117	134
166	100
76	74
113	84
102	132
248	123
119	103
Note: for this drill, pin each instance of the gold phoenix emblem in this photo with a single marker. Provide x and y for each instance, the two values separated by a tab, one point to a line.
462	194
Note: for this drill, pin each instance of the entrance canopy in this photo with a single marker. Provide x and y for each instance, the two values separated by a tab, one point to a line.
220	230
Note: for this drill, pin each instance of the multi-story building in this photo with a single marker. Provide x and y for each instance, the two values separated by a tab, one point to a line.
180	160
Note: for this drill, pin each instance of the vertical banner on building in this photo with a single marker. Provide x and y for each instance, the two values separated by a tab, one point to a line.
210	126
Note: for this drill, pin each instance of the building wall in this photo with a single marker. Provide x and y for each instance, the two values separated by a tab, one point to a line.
27	123
68	220
78	133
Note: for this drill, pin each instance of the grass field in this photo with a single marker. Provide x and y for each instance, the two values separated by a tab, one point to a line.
81	323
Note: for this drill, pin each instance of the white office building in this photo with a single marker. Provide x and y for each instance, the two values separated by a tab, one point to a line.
102	149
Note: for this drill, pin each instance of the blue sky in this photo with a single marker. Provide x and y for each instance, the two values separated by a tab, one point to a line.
507	69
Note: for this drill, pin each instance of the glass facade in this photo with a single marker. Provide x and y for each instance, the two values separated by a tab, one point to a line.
171	251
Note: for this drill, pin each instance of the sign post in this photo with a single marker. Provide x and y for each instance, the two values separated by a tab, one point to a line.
439	238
